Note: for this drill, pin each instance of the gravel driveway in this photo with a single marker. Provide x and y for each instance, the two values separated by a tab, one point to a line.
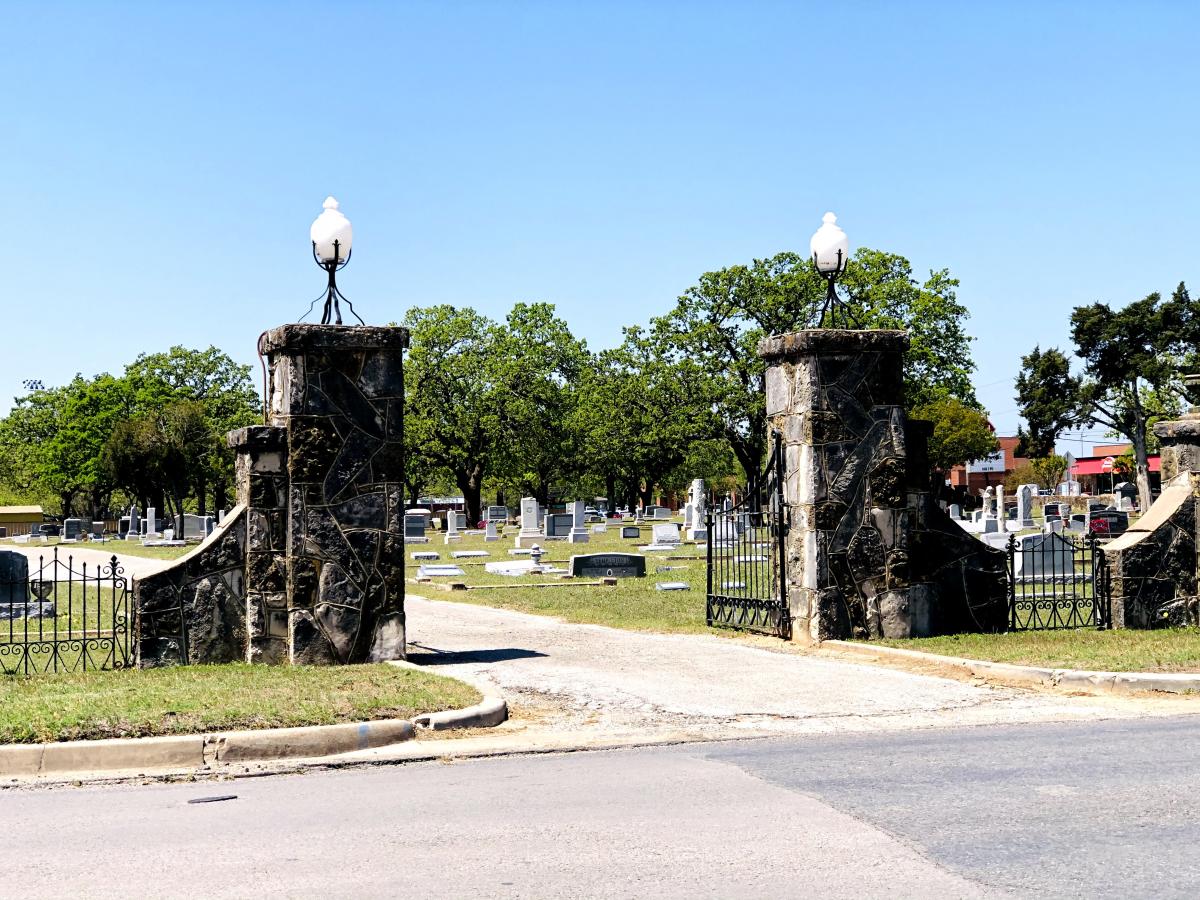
591	675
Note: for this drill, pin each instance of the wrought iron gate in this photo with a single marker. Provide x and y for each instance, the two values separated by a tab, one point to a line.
1056	581
747	578
65	617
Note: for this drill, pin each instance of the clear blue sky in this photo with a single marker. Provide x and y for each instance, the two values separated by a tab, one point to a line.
163	161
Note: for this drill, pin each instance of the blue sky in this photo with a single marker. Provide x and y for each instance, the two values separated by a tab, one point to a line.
163	162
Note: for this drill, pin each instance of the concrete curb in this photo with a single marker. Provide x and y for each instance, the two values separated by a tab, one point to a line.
486	714
1110	682
197	751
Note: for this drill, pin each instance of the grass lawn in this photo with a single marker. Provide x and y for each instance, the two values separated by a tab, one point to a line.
634	603
1119	650
191	699
120	548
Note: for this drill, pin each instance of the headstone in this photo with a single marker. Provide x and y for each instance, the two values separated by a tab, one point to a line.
452	534
1070	489
14	577
672	586
698	530
579	532
724	534
600	528
666	534
72	529
1044	556
425	554
123	527
558	526
1053	526
497	514
135	523
608	565
630	532
991	525
955	511
531	525
1126	496
489	531
414	529
1025	495
1001	514
221	517
439	571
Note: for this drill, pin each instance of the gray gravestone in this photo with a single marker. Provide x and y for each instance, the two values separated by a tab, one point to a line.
558	525
608	565
1025	495
414	528
72	529
497	514
14	577
1044	556
579	532
489	531
630	532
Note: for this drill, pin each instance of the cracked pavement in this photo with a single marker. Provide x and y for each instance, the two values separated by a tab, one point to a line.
595	680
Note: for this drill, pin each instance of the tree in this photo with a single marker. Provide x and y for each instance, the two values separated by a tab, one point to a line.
227	398
1048	471
718	323
960	433
1133	358
534	364
639	416
453	410
1047	399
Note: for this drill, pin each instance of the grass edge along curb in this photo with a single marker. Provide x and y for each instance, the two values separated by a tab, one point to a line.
1111	682
199	750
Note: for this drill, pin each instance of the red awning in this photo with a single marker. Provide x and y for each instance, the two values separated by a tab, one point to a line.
1094	465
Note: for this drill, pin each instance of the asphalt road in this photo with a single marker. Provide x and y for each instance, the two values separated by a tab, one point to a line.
1099	809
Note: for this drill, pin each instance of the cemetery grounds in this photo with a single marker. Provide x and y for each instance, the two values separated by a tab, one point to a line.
632	603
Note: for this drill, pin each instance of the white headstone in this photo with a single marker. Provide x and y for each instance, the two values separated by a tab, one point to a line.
530	523
697	531
666	535
955	511
1044	556
489	532
579	532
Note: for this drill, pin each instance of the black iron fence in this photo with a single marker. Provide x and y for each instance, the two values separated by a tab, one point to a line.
1057	581
60	615
747	578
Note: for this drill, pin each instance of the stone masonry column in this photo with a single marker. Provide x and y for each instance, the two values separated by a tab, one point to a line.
338	394
837	398
262	488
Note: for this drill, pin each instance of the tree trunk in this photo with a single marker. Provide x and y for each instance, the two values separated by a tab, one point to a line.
470	482
220	494
610	490
749	453
646	493
1142	463
201	496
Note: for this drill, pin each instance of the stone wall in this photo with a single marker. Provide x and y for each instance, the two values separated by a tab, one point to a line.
1153	566
195	610
310	570
869	552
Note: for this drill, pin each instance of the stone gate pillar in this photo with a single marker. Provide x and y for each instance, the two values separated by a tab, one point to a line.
836	396
337	393
868	553
308	568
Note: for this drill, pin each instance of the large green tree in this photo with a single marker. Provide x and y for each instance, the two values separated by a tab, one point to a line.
718	323
1132	360
961	433
1047	399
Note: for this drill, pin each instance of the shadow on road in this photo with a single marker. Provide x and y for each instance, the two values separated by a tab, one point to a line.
431	656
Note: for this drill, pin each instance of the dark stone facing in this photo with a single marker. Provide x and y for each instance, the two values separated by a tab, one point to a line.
301	337
888	561
831	340
320	559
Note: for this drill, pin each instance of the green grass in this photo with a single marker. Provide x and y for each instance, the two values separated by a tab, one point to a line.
114	546
634	603
1119	650
191	699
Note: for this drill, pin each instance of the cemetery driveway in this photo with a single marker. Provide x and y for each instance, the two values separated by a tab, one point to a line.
604	680
134	566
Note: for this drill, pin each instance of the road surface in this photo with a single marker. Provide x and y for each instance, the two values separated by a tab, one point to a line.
1093	809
